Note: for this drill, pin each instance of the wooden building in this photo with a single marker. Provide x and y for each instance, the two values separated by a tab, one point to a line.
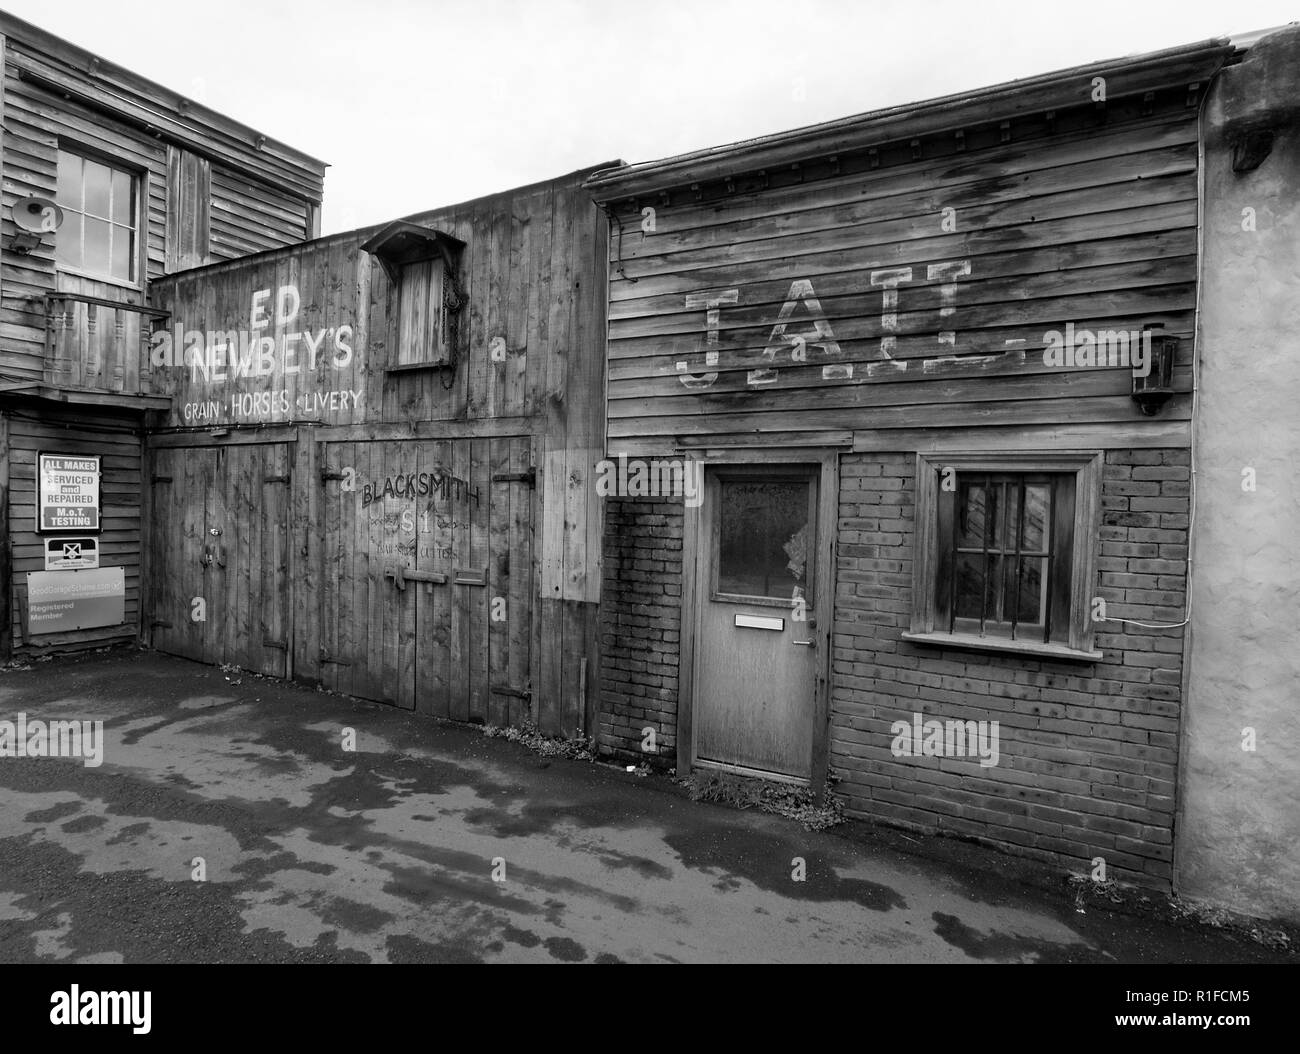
110	182
938	548
375	471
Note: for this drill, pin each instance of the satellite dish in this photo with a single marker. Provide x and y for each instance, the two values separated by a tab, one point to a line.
38	215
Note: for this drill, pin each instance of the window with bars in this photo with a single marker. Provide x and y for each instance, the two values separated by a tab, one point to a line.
1006	568
100	218
1006	551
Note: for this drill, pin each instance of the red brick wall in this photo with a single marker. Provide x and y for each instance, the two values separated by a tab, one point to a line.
1087	750
640	627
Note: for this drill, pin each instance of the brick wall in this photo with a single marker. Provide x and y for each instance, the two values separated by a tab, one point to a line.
1087	750
640	627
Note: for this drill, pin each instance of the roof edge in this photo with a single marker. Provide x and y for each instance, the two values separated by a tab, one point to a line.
1056	89
371	230
82	60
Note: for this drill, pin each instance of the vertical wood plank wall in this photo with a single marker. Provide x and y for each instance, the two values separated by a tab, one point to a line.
533	273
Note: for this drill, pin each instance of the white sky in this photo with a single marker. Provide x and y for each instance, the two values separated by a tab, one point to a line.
416	105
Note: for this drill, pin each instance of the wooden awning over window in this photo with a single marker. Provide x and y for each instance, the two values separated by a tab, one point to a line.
401	243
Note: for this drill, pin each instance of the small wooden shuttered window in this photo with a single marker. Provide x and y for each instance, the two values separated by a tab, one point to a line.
422	325
422	266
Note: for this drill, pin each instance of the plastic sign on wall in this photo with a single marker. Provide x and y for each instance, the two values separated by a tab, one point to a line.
67	493
63	601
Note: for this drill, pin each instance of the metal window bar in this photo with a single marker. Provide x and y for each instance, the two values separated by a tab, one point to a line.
1012	548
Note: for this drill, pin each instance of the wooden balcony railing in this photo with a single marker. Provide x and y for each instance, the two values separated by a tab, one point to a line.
98	345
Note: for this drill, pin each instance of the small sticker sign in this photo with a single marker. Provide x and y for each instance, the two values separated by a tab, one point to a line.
68	493
71	554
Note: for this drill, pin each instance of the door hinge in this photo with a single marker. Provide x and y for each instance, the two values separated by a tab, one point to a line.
161	479
276	479
159	623
325	657
505	689
268	642
327	474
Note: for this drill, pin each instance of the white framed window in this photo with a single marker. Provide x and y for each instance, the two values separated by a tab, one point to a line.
99	237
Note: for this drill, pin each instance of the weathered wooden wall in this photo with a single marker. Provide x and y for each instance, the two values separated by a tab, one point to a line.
248	217
200	176
202	179
1086	215
523	430
118	440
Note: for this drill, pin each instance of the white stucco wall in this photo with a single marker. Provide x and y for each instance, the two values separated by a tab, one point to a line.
1237	841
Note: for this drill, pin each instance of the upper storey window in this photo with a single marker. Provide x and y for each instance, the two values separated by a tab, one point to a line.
100	219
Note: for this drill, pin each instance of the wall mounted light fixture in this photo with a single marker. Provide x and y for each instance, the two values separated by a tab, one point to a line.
1156	388
34	217
24	242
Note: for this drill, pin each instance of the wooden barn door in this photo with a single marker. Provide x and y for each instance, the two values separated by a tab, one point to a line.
220	534
428	577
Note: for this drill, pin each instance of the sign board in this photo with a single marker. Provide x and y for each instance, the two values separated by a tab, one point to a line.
67	493
71	554
59	601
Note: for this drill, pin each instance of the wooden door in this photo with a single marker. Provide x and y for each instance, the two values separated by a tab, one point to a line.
219	549
755	658
428	582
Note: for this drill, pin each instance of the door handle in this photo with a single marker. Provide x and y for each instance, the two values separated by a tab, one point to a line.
805	643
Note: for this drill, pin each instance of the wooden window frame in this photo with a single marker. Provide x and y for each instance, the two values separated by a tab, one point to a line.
1086	467
399	245
140	191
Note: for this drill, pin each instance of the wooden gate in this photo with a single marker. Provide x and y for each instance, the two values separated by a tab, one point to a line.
220	551
428	578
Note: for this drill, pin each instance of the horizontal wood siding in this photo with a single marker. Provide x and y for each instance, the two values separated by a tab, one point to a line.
1095	226
248	217
35	123
118	443
193	208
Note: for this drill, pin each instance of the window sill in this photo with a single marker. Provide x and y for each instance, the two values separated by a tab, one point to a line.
1015	647
90	276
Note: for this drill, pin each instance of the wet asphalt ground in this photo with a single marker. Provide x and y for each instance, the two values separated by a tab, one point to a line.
228	824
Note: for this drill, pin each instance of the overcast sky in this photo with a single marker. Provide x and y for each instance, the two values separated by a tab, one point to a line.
420	104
